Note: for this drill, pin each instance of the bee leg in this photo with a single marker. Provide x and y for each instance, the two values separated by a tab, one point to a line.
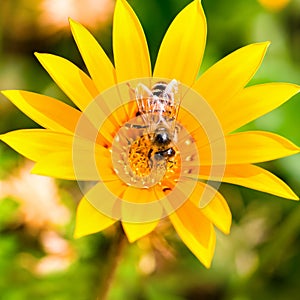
131	91
150	158
151	162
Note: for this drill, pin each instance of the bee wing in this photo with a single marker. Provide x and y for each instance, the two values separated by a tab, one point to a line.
142	94
172	89
159	107
172	98
145	99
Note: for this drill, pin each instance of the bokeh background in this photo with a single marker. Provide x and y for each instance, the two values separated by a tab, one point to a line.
39	259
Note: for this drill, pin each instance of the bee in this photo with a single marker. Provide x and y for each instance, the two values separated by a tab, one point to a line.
158	108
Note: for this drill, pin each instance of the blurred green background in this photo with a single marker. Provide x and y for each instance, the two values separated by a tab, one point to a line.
39	259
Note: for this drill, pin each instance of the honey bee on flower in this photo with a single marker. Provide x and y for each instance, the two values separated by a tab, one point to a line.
157	109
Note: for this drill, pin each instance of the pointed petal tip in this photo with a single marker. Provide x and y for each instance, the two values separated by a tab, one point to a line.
5	92
122	2
227	230
189	23
131	60
207	261
35	171
39	55
130	239
77	235
265	45
2	136
226	226
207	264
199	8
297	87
73	23
9	93
199	4
293	197
294	86
135	231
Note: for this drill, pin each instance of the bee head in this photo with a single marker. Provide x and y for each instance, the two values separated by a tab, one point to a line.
162	136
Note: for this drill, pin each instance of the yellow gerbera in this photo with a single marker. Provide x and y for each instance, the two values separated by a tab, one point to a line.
76	145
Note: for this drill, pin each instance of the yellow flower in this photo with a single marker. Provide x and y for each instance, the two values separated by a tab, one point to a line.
82	144
274	5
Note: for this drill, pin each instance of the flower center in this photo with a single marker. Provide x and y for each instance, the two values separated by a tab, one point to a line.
145	154
142	158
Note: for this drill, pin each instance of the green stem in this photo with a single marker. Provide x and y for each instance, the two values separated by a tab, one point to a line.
113	261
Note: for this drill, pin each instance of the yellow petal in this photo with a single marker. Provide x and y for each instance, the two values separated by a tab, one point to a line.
84	167
253	177
229	75
57	165
217	210
74	82
253	102
35	144
106	199
135	231
131	54
81	159
138	195
198	132
95	59
196	231
257	146
252	147
182	48
90	220
46	111
139	212
140	207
